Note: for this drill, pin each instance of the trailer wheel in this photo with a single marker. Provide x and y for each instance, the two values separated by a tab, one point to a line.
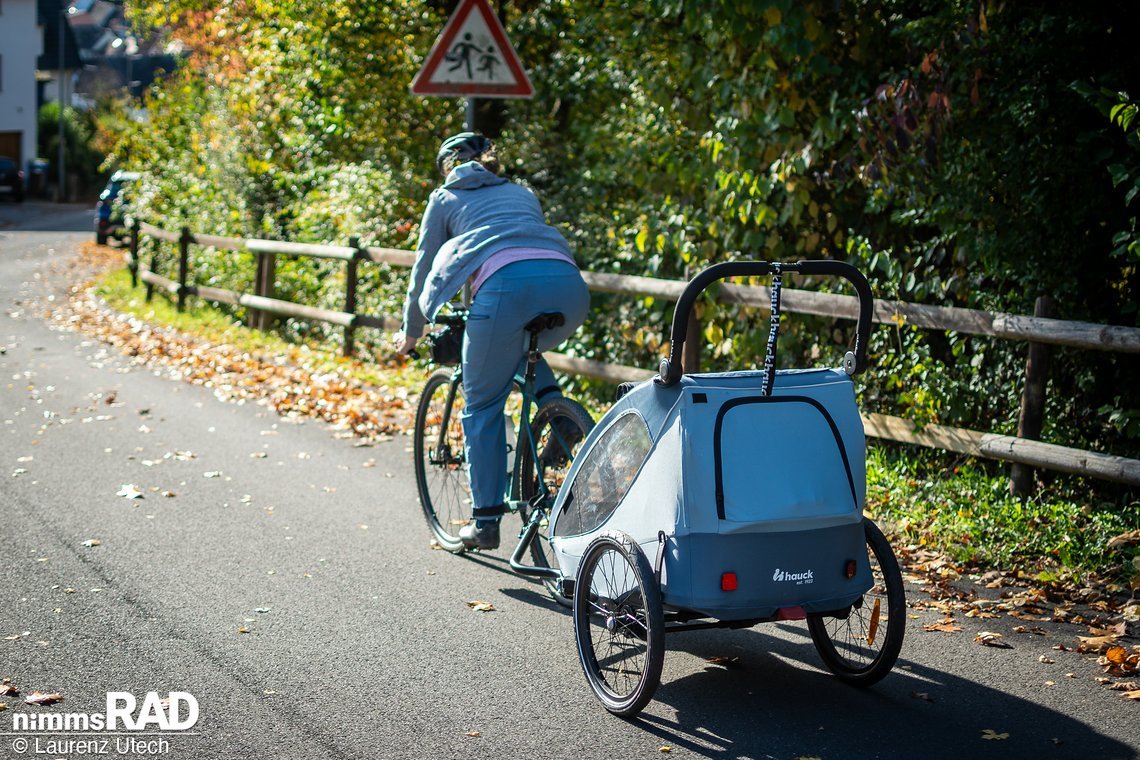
619	624
862	646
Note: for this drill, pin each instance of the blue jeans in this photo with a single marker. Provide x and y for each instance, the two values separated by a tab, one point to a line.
494	349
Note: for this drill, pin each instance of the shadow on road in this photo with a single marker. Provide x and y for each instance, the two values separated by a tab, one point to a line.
767	694
775	689
534	594
38	216
772	691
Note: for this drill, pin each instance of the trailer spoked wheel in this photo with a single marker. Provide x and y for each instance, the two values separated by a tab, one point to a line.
862	646
619	624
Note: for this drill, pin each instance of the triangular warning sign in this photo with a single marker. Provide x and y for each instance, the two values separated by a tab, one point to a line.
473	57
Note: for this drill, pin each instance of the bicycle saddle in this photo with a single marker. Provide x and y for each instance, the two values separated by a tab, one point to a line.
547	321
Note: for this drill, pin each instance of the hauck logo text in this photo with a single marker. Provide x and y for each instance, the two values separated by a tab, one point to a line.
136	727
783	576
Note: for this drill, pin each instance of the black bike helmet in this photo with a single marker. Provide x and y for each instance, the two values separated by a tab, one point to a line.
463	147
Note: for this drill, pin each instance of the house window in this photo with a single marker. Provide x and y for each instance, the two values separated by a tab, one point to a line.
610	468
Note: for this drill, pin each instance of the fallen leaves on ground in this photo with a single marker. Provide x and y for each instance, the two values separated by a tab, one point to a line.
292	385
1030	598
36	698
990	734
946	625
130	491
991	639
1095	644
481	606
1036	630
1124	686
1119	662
1040	597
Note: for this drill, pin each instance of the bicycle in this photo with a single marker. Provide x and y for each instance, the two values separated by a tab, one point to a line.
543	449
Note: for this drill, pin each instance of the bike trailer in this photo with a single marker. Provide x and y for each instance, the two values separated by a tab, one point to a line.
744	489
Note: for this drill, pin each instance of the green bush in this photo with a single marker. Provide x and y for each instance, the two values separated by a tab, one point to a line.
80	154
966	509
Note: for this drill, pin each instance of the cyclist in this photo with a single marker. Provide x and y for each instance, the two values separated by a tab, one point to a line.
482	229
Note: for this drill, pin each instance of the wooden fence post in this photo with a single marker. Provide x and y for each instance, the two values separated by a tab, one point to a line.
153	267
183	266
263	286
1032	419
133	256
351	274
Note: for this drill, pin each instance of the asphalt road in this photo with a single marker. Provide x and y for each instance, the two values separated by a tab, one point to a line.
288	585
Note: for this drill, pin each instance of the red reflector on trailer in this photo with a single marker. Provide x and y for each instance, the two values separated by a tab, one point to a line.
851	568
728	582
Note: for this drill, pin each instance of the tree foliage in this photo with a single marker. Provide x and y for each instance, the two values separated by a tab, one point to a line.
81	157
966	153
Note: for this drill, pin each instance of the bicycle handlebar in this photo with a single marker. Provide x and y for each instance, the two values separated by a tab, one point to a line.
670	371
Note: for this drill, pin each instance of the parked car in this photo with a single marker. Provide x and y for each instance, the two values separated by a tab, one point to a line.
109	214
11	179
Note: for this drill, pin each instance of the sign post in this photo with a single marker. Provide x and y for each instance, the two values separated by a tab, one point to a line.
471	58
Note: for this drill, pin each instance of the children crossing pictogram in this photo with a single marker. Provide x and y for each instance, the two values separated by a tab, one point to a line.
473	57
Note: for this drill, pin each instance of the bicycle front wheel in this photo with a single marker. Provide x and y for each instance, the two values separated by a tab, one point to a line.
862	646
557	432
441	473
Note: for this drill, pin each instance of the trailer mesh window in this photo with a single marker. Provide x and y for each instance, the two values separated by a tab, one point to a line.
604	478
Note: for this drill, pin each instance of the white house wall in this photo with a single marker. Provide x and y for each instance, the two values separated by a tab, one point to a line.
21	42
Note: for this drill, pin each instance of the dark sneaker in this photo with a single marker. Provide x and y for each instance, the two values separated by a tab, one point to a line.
560	444
481	534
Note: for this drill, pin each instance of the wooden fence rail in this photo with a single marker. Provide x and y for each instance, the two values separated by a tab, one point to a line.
1037	330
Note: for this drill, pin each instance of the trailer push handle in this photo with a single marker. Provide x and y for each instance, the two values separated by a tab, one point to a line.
671	369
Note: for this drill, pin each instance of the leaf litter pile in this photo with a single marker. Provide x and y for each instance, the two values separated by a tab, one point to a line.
294	388
1111	622
291	386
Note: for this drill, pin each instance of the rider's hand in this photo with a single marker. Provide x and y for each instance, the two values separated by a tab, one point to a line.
404	344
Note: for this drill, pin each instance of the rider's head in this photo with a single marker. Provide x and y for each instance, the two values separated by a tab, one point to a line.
464	147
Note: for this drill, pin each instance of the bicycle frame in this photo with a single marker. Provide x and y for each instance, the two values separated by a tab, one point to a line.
441	454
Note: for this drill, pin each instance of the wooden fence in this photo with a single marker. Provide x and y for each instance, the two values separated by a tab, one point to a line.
1039	331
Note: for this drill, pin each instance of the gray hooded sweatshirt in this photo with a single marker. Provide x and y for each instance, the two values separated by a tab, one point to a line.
474	215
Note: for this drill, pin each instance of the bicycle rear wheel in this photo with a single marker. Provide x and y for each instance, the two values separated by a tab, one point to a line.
441	475
558	430
862	646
